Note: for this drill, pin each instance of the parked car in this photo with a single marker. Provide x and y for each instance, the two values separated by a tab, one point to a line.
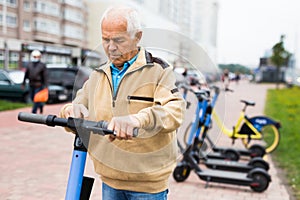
70	77
292	77
11	88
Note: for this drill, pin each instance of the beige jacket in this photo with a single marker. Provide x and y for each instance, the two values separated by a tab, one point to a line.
148	91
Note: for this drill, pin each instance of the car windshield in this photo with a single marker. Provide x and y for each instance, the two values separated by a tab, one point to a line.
17	76
61	74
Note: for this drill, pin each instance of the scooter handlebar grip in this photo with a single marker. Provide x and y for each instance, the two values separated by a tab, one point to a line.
34	118
104	125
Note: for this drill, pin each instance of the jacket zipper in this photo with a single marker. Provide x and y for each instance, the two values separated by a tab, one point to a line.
111	87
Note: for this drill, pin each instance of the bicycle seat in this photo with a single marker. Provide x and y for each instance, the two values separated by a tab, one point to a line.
248	103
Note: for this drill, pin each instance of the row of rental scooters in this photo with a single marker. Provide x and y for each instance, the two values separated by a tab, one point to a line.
218	169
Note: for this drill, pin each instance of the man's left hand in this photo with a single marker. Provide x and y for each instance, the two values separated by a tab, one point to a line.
123	127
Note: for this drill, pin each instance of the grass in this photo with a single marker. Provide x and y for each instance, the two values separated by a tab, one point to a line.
8	105
283	105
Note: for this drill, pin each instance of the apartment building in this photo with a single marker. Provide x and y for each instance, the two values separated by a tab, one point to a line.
57	28
197	20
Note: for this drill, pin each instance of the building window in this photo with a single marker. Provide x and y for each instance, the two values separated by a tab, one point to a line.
26	6
77	3
47	26
73	32
1	59
47	7
11	20
13	60
10	3
73	15
26	25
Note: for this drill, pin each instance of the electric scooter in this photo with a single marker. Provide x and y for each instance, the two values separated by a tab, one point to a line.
229	153
258	179
203	112
79	186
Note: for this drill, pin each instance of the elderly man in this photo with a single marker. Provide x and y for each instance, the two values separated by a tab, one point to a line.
133	89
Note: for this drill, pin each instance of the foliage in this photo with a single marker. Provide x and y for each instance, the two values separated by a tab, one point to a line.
235	68
280	57
283	105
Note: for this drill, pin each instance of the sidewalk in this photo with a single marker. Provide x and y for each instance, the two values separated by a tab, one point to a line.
35	159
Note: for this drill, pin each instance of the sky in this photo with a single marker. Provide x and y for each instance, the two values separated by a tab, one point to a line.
247	29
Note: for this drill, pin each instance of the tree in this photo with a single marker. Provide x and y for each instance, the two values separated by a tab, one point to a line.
279	58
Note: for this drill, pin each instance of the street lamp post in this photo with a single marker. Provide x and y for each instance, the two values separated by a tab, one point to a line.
4	31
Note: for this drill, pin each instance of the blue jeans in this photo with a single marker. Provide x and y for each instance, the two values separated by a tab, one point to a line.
109	193
38	105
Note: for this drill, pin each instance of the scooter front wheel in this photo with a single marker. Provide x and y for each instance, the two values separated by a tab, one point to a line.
257	150
260	182
231	154
181	172
258	162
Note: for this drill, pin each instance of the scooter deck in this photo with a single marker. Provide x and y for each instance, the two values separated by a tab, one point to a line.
228	165
235	178
215	155
242	152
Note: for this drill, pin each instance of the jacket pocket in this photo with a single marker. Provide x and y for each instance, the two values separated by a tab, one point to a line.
137	103
139	98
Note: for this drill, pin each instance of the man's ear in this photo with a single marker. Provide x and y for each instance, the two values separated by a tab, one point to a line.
138	35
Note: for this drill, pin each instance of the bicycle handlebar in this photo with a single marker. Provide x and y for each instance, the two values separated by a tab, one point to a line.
73	123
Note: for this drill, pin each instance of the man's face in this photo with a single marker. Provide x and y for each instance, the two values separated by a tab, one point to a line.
116	41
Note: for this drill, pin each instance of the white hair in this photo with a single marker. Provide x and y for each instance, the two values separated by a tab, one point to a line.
36	53
131	15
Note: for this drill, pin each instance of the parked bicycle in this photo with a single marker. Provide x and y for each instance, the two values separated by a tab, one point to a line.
248	129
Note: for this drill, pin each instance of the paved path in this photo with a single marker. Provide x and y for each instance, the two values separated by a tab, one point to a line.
35	159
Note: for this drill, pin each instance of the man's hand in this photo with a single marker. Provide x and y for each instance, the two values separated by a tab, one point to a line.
76	110
123	127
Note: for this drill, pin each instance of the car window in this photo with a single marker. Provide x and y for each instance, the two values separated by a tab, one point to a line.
17	76
69	75
2	77
56	74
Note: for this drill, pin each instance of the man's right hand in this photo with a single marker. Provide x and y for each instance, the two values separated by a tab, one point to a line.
76	110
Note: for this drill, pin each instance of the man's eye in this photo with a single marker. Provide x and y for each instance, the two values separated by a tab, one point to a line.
118	40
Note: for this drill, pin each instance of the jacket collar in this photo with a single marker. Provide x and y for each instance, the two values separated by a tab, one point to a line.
144	58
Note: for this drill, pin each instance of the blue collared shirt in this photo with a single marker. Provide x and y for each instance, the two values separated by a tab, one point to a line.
117	74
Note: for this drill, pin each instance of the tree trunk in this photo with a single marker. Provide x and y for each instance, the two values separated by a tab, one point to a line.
277	77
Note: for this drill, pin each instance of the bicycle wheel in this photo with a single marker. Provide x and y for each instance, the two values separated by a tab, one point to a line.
271	137
187	134
204	145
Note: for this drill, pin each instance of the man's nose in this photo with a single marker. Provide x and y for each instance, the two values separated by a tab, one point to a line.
112	46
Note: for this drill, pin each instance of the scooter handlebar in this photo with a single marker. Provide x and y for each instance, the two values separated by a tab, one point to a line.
73	123
33	118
